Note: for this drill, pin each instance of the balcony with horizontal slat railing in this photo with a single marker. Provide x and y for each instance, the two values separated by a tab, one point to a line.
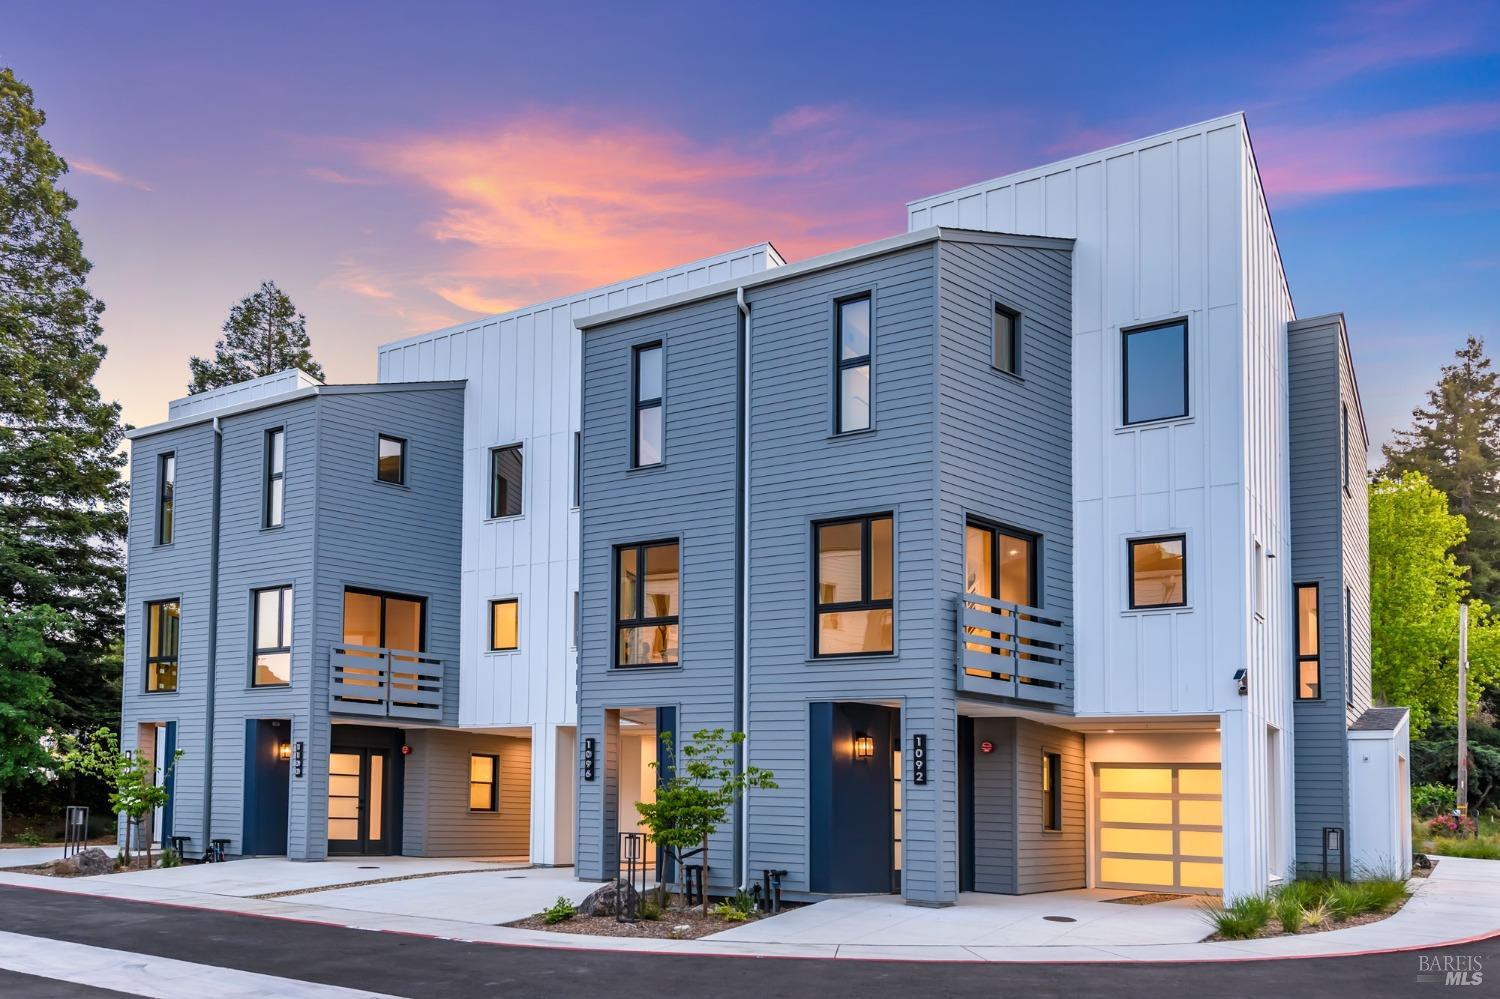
1013	651
385	683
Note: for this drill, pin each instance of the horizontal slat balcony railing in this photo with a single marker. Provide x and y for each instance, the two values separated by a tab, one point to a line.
1012	650
385	683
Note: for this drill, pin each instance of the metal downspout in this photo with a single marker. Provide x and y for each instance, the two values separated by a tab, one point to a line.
213	640
742	660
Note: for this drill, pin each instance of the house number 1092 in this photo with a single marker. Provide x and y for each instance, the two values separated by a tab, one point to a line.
919	759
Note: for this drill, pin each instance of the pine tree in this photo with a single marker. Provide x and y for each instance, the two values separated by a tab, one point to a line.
1455	442
264	334
62	502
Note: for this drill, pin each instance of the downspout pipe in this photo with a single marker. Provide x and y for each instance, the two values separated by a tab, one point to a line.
742	658
213	640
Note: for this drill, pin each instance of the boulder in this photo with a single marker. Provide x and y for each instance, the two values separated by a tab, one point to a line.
606	901
92	861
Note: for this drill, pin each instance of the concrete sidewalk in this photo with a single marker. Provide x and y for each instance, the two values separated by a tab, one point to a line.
1461	901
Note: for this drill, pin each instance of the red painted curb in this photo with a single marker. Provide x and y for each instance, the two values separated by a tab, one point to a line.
760	957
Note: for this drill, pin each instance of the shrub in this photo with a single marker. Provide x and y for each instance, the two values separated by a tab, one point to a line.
1306	892
169	858
30	837
1452	825
1318	915
1476	849
1242	919
649	909
1356	898
560	911
727	912
1289	913
1432	799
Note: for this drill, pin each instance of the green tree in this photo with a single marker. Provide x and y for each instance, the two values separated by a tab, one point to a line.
62	503
264	334
1416	586
25	698
135	791
690	806
1455	442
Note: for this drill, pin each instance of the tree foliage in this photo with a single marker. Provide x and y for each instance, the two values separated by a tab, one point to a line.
62	502
135	790
692	804
1455	442
1416	586
25	696
264	334
1434	760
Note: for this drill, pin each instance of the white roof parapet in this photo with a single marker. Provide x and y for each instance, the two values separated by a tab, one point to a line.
239	393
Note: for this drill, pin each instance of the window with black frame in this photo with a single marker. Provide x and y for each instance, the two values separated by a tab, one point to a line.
484	782
390	459
1309	680
1154	365
853	374
1051	791
163	640
854	586
506	479
275	461
999	565
166	487
1158	572
648	587
1007	340
272	655
648	433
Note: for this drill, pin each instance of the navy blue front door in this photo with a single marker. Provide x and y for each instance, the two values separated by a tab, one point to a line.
851	767
268	780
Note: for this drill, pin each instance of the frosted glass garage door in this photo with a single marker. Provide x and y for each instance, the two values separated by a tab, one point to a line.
1159	827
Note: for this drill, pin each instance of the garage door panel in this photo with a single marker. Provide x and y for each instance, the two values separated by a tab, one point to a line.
1159	826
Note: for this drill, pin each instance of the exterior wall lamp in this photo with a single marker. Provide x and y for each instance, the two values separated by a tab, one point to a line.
284	751
864	746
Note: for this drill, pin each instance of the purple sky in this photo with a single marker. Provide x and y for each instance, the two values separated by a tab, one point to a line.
398	168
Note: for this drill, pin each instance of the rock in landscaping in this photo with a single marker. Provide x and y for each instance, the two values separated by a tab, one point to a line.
93	861
606	901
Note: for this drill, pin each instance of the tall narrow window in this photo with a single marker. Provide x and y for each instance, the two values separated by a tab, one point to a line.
1052	791
506	466
648	440
647	594
854	586
484	782
505	625
853	368
1344	464
1258	554
1309	683
166	485
577	469
1158	572
275	476
1348	647
1155	367
272	656
1007	342
163	638
390	459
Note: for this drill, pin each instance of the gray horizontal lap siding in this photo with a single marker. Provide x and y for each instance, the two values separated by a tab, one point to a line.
1013	853
437	819
1318	508
691	496
181	571
799	474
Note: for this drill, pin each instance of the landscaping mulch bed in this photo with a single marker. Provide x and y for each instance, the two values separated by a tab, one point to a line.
1274	929
674	924
48	870
1149	898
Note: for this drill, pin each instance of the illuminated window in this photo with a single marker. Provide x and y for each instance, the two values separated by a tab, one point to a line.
853	586
647	594
505	625
272	628
166	486
1155	370
1158	572
484	782
648	392
853	368
163	637
384	620
390	461
506	468
1309	683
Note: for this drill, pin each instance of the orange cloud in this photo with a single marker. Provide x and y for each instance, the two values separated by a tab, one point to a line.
84	166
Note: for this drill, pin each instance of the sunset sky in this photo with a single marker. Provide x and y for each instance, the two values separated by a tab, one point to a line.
401	167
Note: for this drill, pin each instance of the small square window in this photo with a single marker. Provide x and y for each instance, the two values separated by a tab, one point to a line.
506	479
391	460
1155	369
1007	340
1158	572
484	782
505	625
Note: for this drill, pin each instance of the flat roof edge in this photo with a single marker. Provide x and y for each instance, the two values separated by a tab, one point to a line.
306	392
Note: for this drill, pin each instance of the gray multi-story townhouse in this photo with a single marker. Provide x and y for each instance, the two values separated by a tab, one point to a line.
1027	548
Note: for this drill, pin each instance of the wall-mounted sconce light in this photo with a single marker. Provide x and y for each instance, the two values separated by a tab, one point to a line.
283	750
864	746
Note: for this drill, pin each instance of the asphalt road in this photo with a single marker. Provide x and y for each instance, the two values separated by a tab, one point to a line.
421	968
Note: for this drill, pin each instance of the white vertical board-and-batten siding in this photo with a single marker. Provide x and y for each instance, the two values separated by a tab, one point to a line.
524	376
1170	226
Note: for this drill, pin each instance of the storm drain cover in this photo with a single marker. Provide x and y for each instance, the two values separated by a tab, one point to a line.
368	867
1060	919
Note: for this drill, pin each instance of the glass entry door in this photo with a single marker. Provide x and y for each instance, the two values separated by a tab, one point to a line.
357	801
